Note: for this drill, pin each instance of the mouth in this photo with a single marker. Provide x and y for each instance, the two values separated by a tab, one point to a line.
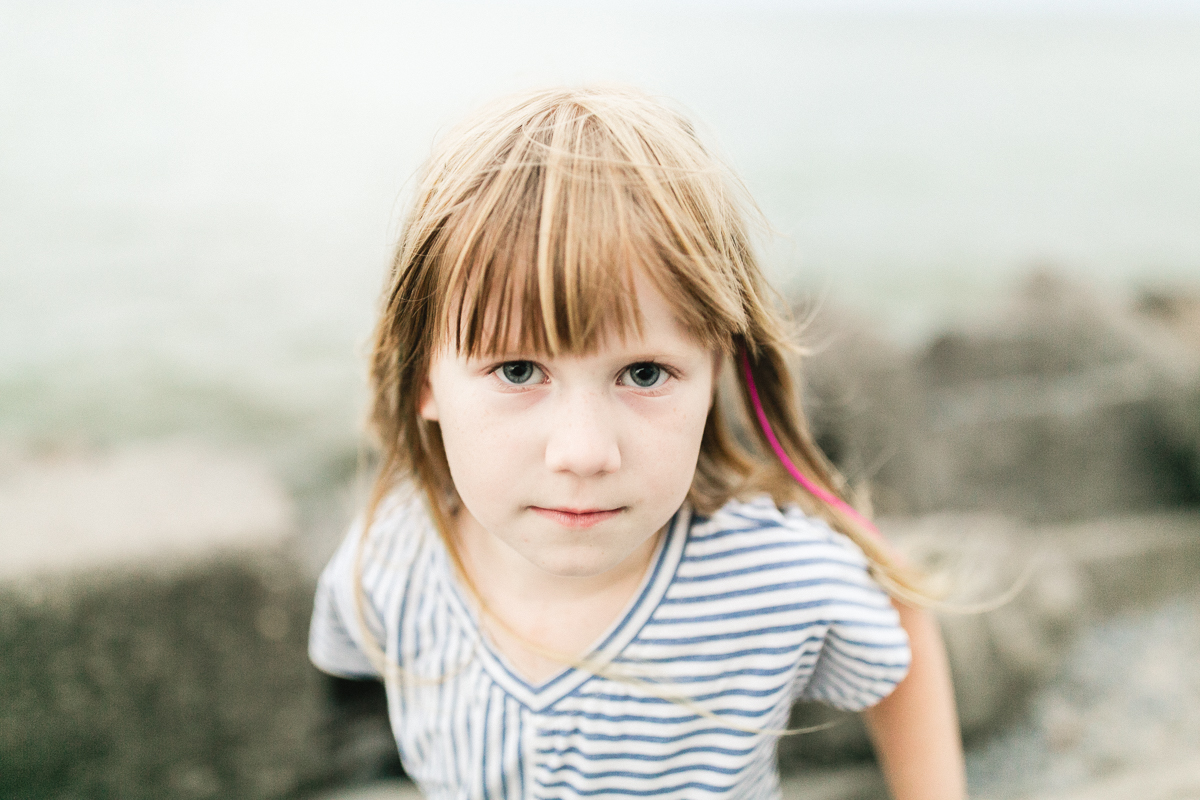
576	518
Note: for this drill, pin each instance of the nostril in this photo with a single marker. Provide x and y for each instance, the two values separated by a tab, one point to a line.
583	458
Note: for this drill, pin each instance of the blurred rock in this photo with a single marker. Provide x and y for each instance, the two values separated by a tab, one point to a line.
1178	312
1069	577
153	625
395	789
1118	719
358	734
1061	407
847	782
866	404
1167	781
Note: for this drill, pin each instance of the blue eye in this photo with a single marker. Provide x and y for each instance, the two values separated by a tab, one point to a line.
646	375
520	373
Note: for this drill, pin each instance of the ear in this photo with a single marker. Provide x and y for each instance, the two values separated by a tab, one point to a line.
426	405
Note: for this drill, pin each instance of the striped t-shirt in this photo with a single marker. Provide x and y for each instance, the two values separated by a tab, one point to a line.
741	613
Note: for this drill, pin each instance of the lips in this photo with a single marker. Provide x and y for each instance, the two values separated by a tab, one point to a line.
576	518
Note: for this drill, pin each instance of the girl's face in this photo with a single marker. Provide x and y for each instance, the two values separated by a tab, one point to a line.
571	464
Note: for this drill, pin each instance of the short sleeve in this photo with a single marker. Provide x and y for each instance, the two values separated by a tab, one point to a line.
337	641
331	645
865	652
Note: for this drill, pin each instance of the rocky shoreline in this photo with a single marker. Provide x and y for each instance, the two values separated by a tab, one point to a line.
154	597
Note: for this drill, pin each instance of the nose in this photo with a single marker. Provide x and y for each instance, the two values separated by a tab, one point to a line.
583	436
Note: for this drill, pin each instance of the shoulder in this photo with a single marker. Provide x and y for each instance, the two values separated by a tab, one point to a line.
758	525
754	547
358	589
379	552
796	575
396	531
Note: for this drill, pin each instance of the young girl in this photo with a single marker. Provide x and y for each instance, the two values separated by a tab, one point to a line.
573	578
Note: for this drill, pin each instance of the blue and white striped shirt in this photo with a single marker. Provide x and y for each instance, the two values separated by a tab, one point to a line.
741	613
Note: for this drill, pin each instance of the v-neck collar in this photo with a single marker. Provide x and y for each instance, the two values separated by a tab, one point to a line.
609	645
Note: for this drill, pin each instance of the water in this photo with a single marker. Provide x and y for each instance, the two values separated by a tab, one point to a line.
198	199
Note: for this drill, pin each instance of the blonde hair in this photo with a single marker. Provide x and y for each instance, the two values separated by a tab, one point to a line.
527	227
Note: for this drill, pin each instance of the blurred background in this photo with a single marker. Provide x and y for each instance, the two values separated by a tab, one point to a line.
993	208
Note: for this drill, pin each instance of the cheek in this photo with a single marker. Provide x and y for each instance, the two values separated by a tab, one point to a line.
668	442
488	452
480	430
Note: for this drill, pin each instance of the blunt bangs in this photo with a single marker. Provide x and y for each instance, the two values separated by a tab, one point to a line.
540	248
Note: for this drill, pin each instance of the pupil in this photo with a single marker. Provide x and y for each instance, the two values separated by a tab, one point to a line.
518	371
644	374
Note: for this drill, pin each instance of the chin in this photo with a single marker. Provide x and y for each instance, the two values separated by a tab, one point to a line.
578	565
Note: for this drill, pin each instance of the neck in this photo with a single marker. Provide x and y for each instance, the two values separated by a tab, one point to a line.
499	573
543	622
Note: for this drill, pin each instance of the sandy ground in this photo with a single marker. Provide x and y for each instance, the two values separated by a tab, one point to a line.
148	503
